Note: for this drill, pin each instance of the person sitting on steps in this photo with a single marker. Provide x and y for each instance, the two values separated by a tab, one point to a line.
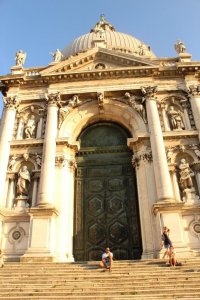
107	260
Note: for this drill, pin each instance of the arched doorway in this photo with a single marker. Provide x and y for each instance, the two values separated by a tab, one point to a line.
106	203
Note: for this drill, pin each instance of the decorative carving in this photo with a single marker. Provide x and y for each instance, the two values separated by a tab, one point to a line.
149	92
175	118
11	102
140	108
38	159
194	90
100	99
53	99
23	182
62	161
74	102
20	58
146	156
16	234
57	56
179	47
62	113
12	162
169	154
194	227
102	25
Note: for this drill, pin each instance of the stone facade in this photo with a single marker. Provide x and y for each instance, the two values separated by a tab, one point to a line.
157	100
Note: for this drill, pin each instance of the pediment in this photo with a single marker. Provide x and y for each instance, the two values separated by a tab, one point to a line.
94	59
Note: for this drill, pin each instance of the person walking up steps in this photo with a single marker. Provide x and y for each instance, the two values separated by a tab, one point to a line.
166	242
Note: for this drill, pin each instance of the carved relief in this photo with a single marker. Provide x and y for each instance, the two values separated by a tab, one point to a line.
139	107
149	92
15	160
145	155
11	102
62	161
66	106
53	99
193	90
100	99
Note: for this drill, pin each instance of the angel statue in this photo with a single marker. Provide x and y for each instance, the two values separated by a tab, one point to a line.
57	56
20	58
179	47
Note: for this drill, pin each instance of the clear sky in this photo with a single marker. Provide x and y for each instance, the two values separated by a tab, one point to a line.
40	26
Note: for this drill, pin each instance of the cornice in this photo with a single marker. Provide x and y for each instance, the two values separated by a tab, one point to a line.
11	215
180	134
166	206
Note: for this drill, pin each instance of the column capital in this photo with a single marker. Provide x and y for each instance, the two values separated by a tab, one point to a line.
11	102
53	99
193	90
149	92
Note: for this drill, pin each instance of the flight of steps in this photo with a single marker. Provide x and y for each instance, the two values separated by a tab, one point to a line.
149	279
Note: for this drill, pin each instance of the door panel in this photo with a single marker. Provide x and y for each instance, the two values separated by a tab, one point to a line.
106	206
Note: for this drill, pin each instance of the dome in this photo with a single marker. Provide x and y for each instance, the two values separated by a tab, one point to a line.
104	35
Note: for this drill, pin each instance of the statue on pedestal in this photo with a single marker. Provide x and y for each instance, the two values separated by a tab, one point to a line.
57	56
175	119
180	47
23	182
185	175
30	127
20	58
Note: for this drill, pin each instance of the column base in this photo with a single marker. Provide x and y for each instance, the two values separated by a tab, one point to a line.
148	254
39	255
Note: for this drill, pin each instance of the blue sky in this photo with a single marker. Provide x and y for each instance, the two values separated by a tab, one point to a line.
40	26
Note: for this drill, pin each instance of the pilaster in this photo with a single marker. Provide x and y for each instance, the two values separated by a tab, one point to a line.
194	95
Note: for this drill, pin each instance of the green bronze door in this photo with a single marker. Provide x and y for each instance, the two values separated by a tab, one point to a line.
106	205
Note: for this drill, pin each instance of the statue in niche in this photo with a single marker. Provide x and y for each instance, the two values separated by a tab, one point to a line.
175	119
180	47
30	127
23	182
138	107
57	56
20	58
185	175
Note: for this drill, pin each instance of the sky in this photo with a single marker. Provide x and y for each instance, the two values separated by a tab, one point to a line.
39	27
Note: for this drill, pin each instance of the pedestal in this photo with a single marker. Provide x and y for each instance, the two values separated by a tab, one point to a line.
190	196
21	203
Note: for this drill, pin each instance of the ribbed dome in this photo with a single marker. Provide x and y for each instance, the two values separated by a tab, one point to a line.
104	35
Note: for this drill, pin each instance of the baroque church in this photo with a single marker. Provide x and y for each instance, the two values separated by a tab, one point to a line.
100	148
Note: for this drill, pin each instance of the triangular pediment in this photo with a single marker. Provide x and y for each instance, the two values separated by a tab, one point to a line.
94	59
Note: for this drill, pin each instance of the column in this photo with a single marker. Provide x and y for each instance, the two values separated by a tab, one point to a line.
20	128
10	104
47	177
186	117
35	189
162	176
165	118
11	192
175	185
194	94
65	189
39	127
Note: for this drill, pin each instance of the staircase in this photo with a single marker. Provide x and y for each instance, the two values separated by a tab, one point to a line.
149	279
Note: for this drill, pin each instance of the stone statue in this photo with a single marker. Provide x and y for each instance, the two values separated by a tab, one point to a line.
23	181
38	159
12	162
180	47
138	107
30	127
57	56
20	58
185	175
74	102
175	119
100	98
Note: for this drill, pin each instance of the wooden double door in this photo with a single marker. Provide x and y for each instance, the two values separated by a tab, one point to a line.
106	204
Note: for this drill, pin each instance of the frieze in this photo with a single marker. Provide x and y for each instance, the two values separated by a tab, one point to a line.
145	156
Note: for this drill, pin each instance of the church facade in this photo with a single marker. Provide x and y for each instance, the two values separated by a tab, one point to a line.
100	148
